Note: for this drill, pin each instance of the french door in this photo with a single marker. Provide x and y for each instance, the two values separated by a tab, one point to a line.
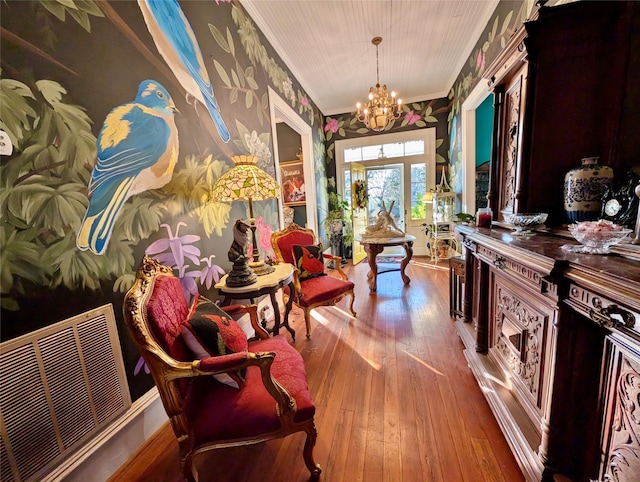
398	169
385	187
359	218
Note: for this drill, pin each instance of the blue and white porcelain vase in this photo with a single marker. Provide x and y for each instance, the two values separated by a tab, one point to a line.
583	189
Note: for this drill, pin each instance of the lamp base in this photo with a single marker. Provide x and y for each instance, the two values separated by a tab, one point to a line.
261	268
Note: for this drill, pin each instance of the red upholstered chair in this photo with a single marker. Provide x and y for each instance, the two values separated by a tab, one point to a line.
205	414
313	292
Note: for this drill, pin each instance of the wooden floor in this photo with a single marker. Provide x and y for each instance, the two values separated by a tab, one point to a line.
395	399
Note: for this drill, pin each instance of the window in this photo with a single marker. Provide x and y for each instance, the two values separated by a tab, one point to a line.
418	190
384	151
347	187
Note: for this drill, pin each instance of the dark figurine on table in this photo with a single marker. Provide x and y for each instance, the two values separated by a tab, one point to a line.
240	274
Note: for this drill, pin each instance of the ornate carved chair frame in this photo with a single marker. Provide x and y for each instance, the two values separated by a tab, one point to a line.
281	242
174	378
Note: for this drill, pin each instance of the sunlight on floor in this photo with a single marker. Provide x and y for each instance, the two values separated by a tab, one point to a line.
423	363
320	318
429	265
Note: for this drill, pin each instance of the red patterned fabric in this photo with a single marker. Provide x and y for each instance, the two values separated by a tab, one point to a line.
166	311
309	260
215	330
286	243
223	362
208	332
219	412
316	290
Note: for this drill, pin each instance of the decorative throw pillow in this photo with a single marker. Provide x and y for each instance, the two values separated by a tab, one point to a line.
209	331
308	260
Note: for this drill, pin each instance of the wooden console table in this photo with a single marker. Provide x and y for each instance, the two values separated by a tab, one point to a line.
374	246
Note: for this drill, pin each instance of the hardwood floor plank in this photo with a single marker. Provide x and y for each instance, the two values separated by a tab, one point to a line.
486	461
395	398
409	454
374	452
392	469
356	450
427	443
337	462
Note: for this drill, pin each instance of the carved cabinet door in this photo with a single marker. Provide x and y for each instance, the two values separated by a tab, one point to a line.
509	162
519	330
621	427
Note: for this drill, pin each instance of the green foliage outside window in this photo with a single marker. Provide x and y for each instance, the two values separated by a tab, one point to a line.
419	209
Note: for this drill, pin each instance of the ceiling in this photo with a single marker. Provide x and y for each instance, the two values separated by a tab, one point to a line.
327	44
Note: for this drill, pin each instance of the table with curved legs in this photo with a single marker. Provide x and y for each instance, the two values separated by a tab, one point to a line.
267	284
374	246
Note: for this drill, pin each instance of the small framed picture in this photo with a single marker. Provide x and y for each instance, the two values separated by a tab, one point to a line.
293	190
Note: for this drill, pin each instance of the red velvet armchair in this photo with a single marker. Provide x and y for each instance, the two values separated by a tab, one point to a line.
316	291
272	402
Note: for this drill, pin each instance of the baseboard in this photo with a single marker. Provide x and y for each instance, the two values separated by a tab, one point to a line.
99	459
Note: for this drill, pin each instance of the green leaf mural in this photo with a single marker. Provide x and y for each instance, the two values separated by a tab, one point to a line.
54	93
79	10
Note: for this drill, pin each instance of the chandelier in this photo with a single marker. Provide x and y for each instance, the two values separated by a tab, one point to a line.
382	107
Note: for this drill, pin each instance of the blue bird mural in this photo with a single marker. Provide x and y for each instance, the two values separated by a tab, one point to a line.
137	151
177	44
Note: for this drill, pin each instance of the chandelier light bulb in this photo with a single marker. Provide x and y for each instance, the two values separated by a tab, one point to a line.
381	109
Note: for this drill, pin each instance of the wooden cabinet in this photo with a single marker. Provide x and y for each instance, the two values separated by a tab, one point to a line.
618	429
553	340
564	88
509	342
621	423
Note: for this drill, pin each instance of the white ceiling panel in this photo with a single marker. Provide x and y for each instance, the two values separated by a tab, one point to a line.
327	44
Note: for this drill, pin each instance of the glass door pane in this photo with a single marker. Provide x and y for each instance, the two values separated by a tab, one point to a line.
358	216
385	184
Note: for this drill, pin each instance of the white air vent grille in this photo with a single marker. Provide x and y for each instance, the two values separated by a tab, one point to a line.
59	386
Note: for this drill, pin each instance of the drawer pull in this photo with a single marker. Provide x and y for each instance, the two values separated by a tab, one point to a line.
603	317
499	262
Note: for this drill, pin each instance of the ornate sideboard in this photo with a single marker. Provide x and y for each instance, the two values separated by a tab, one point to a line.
553	339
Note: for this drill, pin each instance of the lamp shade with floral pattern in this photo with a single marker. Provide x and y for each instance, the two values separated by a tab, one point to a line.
245	181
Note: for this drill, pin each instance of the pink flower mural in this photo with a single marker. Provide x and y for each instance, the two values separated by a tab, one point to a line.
332	126
480	61
411	117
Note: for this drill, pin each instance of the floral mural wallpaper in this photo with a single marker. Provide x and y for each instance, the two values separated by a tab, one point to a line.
122	115
415	115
